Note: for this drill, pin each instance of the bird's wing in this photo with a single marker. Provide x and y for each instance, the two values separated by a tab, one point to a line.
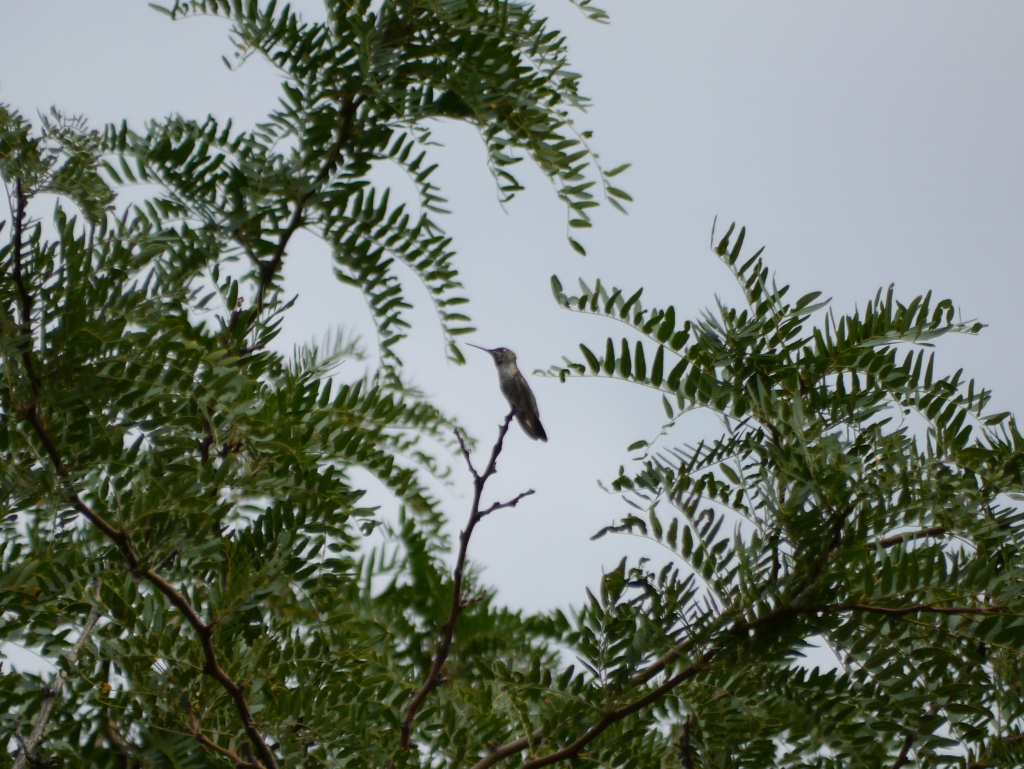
530	422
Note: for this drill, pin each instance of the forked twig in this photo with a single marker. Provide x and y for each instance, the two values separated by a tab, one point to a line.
459	602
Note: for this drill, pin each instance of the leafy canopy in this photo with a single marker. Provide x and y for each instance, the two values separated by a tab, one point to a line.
183	517
855	500
187	495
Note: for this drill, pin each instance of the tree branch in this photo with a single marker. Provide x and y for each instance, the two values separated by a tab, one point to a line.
511	503
434	677
24	297
904	757
240	763
614	716
908	742
509	749
902	611
737	629
909	536
268	270
120	537
203	629
52	692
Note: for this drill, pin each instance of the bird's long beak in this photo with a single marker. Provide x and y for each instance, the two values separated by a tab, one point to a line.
479	347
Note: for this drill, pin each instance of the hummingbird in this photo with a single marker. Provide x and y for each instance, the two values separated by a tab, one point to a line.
518	394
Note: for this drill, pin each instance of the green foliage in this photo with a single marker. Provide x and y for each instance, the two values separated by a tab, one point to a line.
855	499
163	470
183	509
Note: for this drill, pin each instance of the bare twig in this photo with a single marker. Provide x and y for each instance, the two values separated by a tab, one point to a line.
51	693
511	503
459	602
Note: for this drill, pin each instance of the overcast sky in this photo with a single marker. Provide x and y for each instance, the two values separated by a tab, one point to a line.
862	143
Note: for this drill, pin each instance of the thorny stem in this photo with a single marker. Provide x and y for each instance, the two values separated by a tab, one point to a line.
459	602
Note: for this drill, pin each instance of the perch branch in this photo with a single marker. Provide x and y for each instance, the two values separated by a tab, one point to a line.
909	536
459	602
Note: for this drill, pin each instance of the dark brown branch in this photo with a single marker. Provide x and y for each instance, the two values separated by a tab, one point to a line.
167	560
737	629
665	660
465	453
838	608
614	716
24	297
268	270
904	757
510	749
902	611
655	667
51	693
896	539
240	763
511	503
459	602
204	630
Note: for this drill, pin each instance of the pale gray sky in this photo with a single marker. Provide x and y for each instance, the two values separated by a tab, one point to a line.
863	143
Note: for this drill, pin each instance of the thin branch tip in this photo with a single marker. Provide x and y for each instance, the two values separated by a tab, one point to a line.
511	503
435	676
